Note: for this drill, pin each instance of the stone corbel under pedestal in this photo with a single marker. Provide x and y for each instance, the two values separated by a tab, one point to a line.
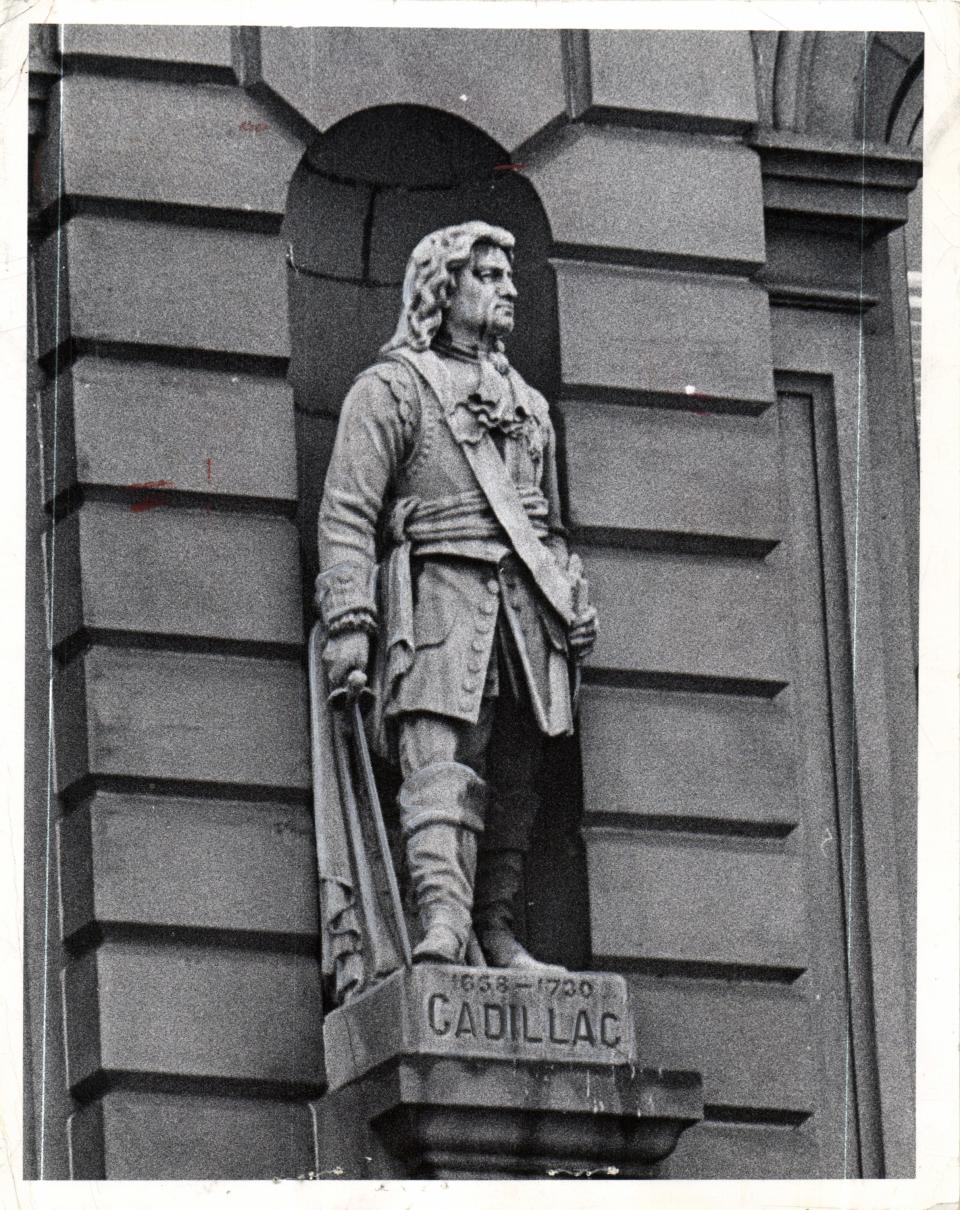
454	1072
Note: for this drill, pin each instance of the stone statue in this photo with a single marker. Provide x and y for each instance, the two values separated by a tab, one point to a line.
445	578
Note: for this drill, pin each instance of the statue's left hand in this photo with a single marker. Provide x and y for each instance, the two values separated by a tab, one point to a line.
582	634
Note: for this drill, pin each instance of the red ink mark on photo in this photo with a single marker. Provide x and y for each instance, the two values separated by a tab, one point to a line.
509	167
152	499
255	127
146	503
209	470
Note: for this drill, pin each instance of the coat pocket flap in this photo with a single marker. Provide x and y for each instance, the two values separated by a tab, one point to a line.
434	613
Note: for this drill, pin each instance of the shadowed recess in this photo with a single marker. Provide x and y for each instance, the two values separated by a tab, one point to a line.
363	196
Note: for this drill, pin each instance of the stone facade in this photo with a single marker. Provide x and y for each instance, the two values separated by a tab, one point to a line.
706	247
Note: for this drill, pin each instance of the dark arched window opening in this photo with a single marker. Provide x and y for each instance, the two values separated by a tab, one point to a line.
362	197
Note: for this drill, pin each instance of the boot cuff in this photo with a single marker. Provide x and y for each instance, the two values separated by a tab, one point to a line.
442	793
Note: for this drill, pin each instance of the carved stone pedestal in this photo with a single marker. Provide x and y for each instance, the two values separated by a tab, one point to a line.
450	1071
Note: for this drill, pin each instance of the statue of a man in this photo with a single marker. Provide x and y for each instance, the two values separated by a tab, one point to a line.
444	574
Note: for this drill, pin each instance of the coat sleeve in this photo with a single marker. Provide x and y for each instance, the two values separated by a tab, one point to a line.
375	431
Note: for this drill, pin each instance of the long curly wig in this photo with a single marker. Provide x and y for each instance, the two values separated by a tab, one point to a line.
430	278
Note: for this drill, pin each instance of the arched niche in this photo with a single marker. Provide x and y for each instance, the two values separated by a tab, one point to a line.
361	198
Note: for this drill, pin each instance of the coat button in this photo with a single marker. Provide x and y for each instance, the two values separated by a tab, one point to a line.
483	626
488	607
474	665
470	684
493	587
477	645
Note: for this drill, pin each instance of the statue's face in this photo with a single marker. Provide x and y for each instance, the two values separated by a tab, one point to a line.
483	300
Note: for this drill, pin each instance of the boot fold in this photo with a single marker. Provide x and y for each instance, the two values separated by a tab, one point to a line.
441	817
498	881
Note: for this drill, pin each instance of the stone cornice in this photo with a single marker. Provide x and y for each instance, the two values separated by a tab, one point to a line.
834	182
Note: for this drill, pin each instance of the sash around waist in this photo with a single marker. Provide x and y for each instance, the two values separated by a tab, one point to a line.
413	525
465	517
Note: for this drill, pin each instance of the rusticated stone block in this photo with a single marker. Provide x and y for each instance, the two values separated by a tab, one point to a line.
207	147
188	863
693	79
709	757
695	901
645	192
131	1135
750	1039
193	44
145	568
672	471
742	1151
730	621
685	335
472	73
152	283
113	423
159	714
194	1011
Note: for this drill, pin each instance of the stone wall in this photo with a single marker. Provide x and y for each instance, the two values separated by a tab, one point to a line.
703	500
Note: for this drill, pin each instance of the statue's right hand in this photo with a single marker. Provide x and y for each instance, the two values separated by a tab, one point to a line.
343	653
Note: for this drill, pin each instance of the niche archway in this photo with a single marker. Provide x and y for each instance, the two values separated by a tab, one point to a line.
361	198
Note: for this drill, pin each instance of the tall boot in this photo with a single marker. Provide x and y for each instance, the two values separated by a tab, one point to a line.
498	880
441	817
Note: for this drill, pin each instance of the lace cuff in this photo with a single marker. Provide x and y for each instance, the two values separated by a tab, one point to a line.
355	619
346	588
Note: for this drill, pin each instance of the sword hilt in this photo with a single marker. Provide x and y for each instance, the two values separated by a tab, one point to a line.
356	683
355	690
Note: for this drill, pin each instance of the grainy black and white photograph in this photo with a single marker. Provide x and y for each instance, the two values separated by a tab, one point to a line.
471	603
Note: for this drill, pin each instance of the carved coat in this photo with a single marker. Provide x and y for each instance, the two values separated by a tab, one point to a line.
407	539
